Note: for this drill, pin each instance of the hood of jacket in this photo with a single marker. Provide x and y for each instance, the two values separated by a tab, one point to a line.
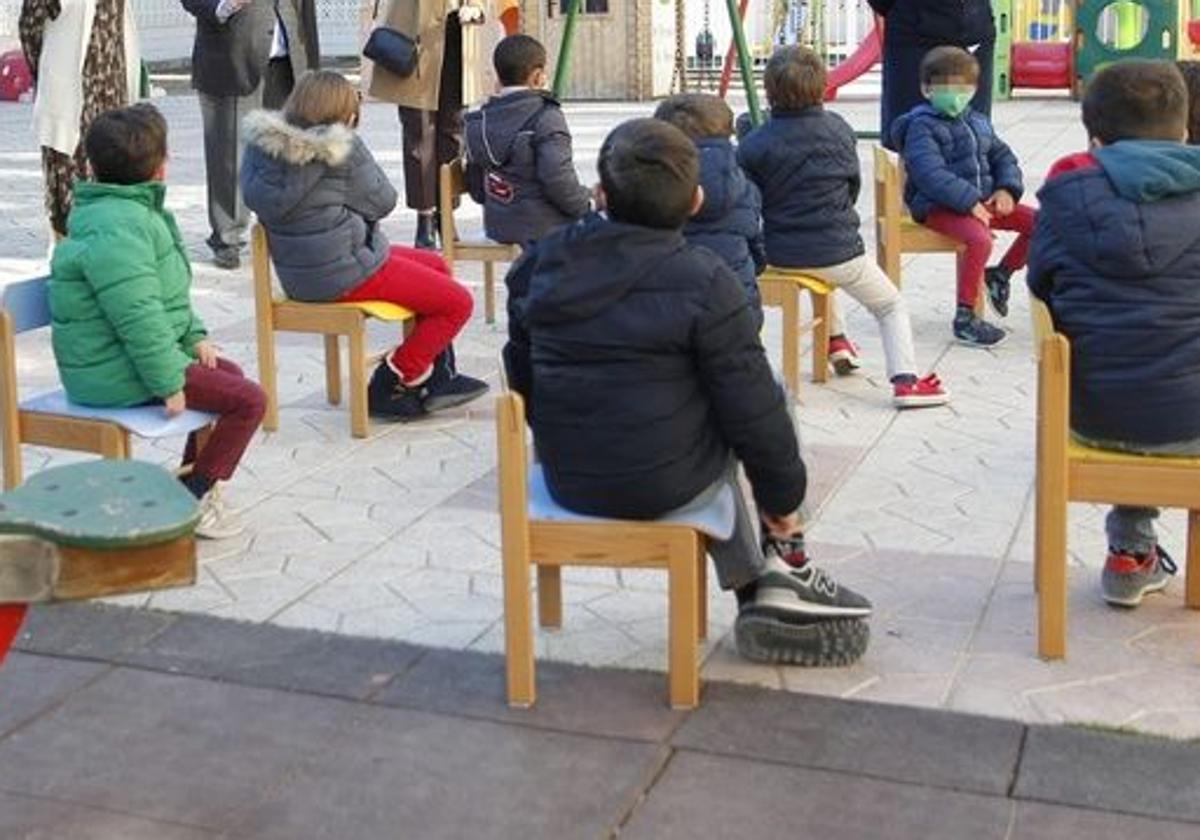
721	179
152	194
292	159
497	124
1144	198
583	268
900	125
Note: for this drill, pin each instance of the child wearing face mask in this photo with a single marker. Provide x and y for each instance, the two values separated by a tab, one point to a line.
965	182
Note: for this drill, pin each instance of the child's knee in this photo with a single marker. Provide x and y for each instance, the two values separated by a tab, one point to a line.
460	303
254	401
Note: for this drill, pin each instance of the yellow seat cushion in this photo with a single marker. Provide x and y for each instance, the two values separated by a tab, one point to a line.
381	309
1078	452
815	284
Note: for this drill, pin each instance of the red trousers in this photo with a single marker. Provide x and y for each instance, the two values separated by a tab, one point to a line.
239	404
419	280
978	238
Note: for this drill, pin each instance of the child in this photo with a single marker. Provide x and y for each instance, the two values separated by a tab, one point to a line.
320	195
646	382
729	222
519	164
123	328
1116	256
964	181
805	161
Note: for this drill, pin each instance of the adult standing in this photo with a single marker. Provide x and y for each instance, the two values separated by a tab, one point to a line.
914	27
232	48
431	99
84	55
295	49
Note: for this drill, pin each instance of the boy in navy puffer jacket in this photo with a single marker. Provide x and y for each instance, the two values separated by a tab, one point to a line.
1116	255
729	223
964	181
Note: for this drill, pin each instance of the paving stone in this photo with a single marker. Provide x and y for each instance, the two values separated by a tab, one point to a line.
29	685
1035	821
917	746
90	631
609	702
731	797
1131	774
34	819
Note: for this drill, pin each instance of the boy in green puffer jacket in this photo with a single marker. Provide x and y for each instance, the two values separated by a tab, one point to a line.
122	324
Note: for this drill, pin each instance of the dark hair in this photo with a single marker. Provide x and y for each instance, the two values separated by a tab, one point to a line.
1136	100
649	170
698	115
1190	70
941	63
517	57
128	145
795	78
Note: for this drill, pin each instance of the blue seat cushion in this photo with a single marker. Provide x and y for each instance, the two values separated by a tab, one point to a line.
712	512
147	421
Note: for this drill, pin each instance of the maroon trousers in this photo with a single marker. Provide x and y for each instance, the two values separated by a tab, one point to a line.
239	404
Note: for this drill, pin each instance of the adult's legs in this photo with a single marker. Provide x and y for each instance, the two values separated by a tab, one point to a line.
278	81
419	135
222	116
971	264
985	55
901	84
239	403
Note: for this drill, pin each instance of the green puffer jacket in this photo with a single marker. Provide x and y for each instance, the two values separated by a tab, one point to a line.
122	325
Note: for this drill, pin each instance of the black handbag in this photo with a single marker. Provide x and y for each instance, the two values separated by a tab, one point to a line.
392	50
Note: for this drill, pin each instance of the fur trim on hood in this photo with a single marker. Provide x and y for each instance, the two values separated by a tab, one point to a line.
269	131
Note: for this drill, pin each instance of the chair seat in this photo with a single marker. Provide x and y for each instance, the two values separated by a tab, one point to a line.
381	309
793	275
146	421
917	237
712	512
1079	452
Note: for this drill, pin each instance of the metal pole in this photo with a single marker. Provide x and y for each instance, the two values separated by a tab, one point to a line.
727	68
739	40
562	68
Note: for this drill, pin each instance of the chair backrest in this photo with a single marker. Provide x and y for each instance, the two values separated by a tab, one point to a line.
1054	381
452	183
27	303
889	185
260	265
1043	321
513	464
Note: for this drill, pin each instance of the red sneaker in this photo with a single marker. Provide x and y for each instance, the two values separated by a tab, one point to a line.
920	394
843	355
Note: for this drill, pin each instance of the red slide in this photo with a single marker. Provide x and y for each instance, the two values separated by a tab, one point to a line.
860	61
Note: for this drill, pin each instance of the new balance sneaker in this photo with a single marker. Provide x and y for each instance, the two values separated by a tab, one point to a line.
794	588
973	331
1127	578
843	355
217	522
998	288
920	393
827	643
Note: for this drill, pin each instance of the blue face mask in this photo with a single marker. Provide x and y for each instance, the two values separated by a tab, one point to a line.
951	101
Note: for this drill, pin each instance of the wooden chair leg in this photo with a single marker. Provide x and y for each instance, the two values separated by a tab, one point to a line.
790	298
519	667
267	374
489	292
114	443
1192	598
12	456
549	596
822	307
683	631
702	591
1050	559
358	381
333	370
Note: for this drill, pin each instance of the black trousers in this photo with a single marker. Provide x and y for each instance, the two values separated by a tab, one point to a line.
431	138
278	81
902	82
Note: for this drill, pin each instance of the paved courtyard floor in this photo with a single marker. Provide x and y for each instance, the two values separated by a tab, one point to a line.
929	513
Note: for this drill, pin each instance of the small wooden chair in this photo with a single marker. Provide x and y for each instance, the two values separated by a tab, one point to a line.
782	287
50	419
452	183
896	232
1068	471
278	314
537	532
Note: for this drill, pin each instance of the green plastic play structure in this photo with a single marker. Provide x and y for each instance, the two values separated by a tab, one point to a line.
1142	30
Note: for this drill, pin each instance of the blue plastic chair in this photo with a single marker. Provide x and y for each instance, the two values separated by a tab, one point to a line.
50	419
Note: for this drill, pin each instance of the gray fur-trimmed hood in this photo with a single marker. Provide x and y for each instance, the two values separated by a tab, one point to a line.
269	131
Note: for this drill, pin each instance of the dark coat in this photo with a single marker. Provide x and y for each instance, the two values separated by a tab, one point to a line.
806	164
520	167
1116	255
730	220
952	163
641	363
228	59
320	195
931	23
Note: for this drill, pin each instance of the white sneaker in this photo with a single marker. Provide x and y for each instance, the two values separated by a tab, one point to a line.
216	520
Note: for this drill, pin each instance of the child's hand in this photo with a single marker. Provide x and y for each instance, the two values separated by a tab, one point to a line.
175	404
1002	202
206	353
468	13
598	198
782	526
981	213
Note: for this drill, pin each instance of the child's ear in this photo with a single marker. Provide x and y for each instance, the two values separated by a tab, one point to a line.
1095	143
697	200
160	174
538	79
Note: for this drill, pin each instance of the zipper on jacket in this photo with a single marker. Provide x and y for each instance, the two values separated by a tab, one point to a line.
975	154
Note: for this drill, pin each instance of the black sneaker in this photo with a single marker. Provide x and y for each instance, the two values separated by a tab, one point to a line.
387	399
793	588
973	331
998	288
227	257
426	237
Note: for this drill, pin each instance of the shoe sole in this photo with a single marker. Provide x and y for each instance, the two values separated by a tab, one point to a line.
820	644
1135	600
921	402
844	364
442	403
979	346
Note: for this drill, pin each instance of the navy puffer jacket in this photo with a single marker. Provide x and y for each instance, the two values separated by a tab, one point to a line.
1116	255
806	165
952	163
730	221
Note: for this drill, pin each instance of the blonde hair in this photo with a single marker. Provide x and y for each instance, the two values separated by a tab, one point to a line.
322	97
